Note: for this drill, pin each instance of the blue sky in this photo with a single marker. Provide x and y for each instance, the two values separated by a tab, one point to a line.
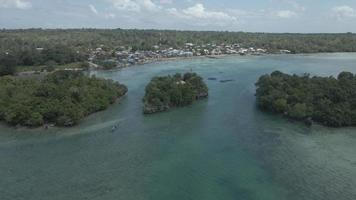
306	16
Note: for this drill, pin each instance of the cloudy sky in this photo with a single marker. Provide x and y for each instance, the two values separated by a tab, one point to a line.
223	15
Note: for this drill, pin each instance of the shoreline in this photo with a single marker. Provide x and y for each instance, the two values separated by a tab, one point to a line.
95	67
214	57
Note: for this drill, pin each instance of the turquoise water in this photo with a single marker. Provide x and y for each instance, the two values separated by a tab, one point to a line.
219	148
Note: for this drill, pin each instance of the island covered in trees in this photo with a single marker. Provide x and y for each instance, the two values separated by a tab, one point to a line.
62	98
166	92
326	100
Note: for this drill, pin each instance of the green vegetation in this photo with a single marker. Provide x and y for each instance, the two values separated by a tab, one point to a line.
7	70
7	65
33	47
163	93
329	101
28	53
62	98
106	64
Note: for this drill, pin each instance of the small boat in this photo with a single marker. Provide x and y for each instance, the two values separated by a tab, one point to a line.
227	80
113	128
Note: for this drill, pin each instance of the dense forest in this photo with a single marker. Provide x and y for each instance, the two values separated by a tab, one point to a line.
327	100
163	93
41	46
61	98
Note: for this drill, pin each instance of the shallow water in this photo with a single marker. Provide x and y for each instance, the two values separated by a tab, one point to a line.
219	148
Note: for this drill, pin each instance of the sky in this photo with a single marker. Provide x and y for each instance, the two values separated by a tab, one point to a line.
297	16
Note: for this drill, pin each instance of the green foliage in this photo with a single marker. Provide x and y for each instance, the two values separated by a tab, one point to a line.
63	98
7	65
165	92
280	105
38	46
107	64
26	53
298	111
7	70
329	101
35	119
84	65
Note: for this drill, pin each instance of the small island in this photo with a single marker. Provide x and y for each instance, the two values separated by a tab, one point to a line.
327	100
61	98
166	92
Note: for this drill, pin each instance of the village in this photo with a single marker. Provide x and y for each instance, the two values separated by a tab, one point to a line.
123	57
106	58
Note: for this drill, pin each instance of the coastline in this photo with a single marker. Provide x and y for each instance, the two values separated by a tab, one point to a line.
161	60
152	61
95	67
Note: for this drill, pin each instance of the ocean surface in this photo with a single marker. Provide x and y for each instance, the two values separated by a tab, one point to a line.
221	148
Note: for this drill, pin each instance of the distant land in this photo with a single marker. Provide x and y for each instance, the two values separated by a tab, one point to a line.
37	50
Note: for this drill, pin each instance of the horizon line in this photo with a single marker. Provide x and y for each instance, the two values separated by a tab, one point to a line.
177	30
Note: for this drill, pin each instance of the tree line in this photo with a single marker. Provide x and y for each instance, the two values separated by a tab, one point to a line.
30	47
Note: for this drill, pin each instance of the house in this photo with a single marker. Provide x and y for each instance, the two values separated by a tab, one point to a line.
216	52
180	82
186	54
236	46
231	51
243	51
284	51
259	50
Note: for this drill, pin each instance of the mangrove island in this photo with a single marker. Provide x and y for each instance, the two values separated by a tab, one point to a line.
326	100
61	98
165	92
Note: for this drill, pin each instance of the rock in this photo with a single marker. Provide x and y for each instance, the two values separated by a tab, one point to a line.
149	109
202	95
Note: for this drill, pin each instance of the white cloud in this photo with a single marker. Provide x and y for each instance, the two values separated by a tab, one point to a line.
126	5
199	11
135	5
295	5
93	9
199	15
343	12
19	4
100	14
148	4
285	14
109	16
166	1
